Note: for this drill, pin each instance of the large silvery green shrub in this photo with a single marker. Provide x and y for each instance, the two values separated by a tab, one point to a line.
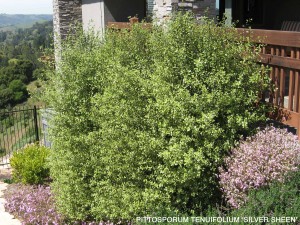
143	118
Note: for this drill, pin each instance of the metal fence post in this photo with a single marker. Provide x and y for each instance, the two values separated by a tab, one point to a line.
36	127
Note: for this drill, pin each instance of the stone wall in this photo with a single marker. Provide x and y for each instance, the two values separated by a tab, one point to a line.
65	14
163	8
198	7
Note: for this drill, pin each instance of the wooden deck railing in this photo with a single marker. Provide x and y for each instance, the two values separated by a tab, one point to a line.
282	54
124	25
127	25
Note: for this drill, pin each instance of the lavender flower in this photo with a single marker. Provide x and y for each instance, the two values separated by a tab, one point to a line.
35	205
32	204
266	157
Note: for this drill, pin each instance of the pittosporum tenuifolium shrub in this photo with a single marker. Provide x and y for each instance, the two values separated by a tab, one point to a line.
143	118
30	164
266	157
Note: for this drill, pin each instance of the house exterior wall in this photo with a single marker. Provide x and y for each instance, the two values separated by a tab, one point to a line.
92	15
150	6
66	13
198	7
120	10
277	11
97	13
163	8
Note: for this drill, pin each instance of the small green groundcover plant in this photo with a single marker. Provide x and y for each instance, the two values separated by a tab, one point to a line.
29	164
144	118
277	200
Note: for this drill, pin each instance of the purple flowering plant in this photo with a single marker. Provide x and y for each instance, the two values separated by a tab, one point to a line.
32	204
35	205
267	156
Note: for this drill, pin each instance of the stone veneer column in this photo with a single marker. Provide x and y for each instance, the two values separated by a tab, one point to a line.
66	13
163	8
198	7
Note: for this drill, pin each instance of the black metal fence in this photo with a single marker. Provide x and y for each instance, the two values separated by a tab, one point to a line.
18	127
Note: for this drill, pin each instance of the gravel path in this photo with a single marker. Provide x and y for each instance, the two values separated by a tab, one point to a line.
5	217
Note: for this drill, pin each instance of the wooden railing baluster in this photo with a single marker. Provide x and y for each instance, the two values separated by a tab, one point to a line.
276	79
297	99
291	84
282	81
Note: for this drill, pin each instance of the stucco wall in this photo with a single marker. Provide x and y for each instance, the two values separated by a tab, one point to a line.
92	14
97	13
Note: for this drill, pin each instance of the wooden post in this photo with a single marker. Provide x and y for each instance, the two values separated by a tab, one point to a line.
133	20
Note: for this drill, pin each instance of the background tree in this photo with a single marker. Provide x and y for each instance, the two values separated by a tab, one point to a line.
20	51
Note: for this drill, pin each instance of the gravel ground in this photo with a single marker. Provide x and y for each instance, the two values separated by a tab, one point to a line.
5	217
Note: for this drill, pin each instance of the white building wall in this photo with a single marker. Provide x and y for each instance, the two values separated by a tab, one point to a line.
93	15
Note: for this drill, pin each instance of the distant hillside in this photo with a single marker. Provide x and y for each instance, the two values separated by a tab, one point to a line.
11	21
21	51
